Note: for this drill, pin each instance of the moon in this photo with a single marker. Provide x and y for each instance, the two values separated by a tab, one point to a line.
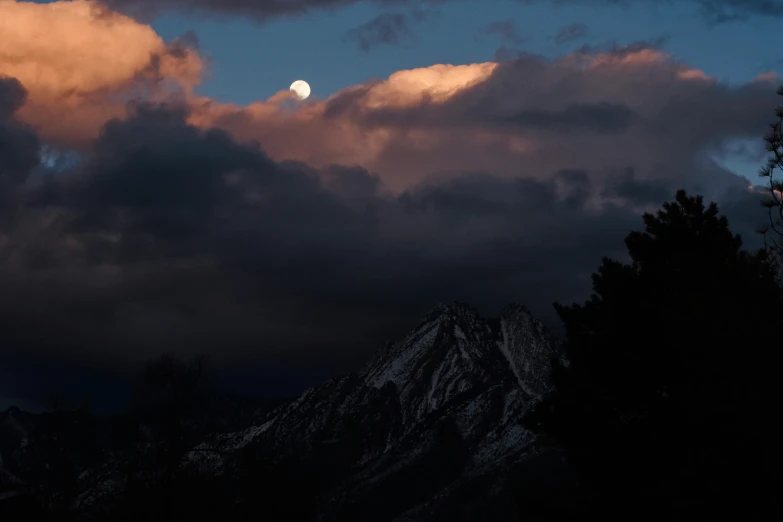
301	89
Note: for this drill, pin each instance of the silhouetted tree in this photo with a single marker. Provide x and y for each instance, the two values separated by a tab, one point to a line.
172	404
774	203
666	404
171	394
169	403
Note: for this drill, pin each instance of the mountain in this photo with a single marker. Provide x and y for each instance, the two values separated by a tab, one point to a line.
435	410
430	423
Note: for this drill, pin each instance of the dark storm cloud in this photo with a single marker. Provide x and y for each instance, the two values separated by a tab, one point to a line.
216	245
603	117
626	186
12	96
571	32
172	238
182	166
19	148
386	28
716	11
18	144
599	117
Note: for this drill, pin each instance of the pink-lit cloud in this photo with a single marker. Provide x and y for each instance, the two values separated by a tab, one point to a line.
599	111
81	62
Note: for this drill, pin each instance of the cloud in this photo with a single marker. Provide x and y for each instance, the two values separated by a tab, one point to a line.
386	28
596	109
727	10
569	33
507	32
184	239
604	117
19	146
81	62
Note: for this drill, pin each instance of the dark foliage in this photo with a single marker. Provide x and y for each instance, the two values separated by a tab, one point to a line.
667	403
774	203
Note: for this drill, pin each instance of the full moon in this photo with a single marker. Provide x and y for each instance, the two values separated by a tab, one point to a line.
301	89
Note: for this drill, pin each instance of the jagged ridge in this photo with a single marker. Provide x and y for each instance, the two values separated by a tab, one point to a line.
456	373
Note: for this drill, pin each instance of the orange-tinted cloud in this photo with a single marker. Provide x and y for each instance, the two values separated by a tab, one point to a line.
315	133
81	62
768	76
601	111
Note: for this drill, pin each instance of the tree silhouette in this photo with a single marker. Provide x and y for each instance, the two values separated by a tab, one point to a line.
665	403
774	203
169	404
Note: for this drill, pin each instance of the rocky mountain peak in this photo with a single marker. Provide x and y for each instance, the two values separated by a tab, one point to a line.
453	363
529	347
455	310
454	349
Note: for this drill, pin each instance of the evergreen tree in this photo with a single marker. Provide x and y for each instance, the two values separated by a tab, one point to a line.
667	401
774	203
169	404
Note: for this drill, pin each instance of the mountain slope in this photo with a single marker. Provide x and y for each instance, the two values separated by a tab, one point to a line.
439	406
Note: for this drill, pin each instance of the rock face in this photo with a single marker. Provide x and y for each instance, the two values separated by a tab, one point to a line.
436	409
428	422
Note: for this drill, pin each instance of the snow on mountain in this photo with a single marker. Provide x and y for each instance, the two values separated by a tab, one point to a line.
456	380
454	362
528	346
455	350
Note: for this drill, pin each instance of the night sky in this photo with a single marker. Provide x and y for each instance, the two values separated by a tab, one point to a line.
161	191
